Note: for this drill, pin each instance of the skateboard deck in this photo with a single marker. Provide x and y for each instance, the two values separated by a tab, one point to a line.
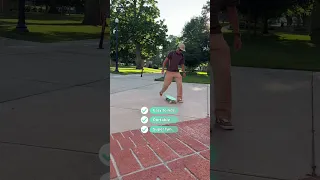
171	99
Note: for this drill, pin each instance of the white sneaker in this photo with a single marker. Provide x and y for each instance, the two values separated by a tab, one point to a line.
180	101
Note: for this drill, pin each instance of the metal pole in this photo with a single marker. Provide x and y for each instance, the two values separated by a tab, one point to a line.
102	33
208	101
313	165
313	174
117	58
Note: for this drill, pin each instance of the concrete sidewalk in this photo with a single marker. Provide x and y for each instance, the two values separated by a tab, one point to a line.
130	94
272	117
183	155
54	104
52	123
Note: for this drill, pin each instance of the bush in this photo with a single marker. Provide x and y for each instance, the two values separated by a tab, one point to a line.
27	9
34	9
155	66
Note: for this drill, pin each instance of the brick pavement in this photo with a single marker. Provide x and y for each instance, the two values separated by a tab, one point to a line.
183	155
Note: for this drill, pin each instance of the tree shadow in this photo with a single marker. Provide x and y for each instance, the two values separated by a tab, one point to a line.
42	16
51	37
272	39
275	51
49	24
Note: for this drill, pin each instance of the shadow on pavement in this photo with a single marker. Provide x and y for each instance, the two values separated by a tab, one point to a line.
272	114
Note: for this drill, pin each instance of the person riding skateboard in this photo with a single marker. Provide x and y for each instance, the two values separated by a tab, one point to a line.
174	58
220	61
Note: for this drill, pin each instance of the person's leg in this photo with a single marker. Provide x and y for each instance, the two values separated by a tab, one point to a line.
178	79
166	82
221	70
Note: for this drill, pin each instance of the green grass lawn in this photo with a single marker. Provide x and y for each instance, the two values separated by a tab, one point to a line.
48	28
132	70
199	77
277	50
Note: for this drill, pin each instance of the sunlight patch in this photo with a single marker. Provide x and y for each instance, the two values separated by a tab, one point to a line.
276	86
198	88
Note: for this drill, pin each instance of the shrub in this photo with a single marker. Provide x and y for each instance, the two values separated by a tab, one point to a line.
27	9
34	9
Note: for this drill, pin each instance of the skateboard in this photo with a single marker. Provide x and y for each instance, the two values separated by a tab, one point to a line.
171	99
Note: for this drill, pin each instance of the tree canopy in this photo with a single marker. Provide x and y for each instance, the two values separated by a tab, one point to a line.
139	27
196	39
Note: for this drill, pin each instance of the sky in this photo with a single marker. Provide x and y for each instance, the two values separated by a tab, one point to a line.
178	12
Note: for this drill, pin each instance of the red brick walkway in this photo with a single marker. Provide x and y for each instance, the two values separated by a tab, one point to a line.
184	155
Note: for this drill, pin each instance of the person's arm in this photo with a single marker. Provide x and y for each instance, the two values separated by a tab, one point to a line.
164	63
183	68
234	20
169	56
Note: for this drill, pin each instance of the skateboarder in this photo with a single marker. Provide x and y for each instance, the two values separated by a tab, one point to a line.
220	61
174	59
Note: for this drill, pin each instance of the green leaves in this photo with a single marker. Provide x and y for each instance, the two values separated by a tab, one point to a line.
195	36
138	25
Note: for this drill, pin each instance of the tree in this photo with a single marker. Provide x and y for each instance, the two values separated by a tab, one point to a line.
206	11
53	7
315	24
302	9
92	15
170	45
4	6
206	15
21	25
126	52
195	36
138	26
264	9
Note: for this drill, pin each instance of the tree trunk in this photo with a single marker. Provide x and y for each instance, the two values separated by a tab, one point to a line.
209	68
21	25
315	23
47	8
249	22
53	7
139	63
306	22
265	25
92	15
4	6
255	25
299	20
127	61
104	9
289	21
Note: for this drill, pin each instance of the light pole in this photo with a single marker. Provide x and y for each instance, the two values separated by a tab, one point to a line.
117	43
